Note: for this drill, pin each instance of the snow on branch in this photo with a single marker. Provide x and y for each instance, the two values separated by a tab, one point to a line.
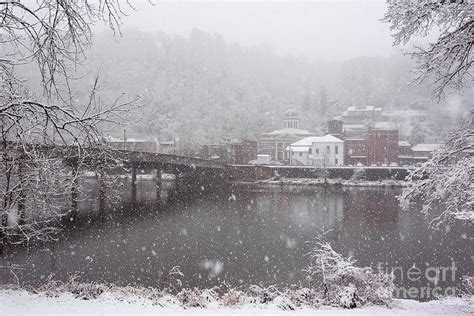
446	180
55	35
448	60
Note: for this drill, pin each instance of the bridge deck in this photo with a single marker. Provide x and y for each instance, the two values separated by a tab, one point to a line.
145	158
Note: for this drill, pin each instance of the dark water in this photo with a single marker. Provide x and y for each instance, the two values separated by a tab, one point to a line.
249	238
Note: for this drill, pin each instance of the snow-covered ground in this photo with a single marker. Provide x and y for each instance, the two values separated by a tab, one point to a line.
13	302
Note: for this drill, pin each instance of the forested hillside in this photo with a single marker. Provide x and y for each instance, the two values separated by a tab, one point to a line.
201	88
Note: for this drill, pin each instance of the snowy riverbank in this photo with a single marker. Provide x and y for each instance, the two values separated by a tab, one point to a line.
320	182
20	302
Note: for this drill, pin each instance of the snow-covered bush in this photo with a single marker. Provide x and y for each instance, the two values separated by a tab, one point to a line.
303	296
209	296
284	303
233	298
85	291
191	298
264	294
468	285
171	281
339	282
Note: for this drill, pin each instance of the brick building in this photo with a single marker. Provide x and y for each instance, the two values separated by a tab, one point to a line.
405	156
355	151
382	144
236	151
373	143
244	151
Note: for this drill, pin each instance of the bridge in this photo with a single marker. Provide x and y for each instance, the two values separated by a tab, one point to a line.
197	176
193	175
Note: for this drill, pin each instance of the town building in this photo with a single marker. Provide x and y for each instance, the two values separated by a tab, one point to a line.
321	151
405	156
243	151
361	114
369	143
132	143
236	151
275	143
382	144
423	152
355	151
167	147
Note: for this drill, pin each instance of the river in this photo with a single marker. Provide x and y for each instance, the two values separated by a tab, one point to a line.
247	237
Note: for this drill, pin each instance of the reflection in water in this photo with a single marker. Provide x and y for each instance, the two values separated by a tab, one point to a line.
245	238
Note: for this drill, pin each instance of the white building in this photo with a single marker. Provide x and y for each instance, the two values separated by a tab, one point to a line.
317	151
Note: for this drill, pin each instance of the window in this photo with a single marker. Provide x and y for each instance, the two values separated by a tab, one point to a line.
328	149
310	150
336	151
335	160
301	154
317	151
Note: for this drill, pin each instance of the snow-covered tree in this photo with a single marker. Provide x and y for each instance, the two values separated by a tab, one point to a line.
448	60
46	139
446	179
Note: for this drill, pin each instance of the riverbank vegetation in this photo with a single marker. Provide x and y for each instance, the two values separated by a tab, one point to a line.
333	281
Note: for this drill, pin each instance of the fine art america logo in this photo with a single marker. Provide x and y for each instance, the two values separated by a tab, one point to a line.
431	276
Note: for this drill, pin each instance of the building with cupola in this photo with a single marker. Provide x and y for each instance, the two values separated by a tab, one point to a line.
274	143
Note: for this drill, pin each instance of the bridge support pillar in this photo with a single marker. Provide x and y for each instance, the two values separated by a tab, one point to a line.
158	186
134	185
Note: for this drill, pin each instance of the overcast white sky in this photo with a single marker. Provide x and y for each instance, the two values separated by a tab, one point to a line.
328	30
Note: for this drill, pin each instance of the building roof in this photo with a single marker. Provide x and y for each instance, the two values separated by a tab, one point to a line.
289	131
425	147
360	108
291	113
407	113
385	126
298	149
308	141
352	127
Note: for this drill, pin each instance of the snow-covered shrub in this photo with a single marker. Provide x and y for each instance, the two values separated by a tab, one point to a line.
468	285
51	287
339	282
85	291
191	298
210	295
264	294
171	281
233	298
348	296
303	296
284	303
